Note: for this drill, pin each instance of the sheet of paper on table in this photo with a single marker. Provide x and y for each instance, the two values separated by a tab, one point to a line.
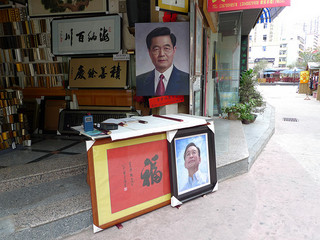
154	125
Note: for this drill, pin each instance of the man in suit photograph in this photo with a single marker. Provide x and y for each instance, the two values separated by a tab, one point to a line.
165	78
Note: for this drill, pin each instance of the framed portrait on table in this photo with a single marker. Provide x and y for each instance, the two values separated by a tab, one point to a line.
126	182
192	163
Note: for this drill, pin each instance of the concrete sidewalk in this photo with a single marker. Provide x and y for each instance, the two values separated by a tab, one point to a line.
276	199
225	214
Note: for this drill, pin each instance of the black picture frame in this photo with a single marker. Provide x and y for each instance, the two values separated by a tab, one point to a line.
208	157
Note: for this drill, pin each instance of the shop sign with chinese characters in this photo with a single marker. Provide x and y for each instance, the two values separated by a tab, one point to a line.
86	35
97	72
233	5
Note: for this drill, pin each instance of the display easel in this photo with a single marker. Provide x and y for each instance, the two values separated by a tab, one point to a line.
307	97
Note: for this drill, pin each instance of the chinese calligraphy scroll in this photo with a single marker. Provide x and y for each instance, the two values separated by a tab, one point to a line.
86	35
97	73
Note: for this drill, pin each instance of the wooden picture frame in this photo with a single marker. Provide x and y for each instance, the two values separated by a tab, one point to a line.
181	6
200	140
93	35
5	4
37	8
198	41
97	73
126	182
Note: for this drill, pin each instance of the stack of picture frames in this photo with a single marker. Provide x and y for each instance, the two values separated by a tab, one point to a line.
126	182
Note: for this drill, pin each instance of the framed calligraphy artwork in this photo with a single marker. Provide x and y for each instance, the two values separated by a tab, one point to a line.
126	182
97	73
181	6
55	8
86	35
192	163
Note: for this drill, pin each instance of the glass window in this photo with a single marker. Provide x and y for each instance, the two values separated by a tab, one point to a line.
264	38
264	48
282	52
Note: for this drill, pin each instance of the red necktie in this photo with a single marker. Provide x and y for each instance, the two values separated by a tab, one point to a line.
160	88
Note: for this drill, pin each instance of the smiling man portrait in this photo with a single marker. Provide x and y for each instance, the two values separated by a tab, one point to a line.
165	78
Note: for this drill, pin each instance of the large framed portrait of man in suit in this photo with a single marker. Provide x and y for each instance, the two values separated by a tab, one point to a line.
162	58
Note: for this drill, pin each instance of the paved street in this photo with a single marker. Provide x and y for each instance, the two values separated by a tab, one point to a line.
277	199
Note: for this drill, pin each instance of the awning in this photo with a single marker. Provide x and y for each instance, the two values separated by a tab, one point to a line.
314	65
269	14
291	71
265	16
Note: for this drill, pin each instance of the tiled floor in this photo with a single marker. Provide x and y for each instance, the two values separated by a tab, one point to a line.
43	147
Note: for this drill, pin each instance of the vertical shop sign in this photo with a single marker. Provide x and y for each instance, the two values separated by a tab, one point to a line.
244	54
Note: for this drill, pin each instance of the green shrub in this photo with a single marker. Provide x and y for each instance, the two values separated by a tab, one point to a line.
248	90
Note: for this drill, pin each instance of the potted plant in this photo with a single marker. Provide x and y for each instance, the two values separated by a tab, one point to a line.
241	111
248	90
249	99
232	111
245	110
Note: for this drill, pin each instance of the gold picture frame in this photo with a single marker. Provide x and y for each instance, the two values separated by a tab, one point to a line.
181	6
117	180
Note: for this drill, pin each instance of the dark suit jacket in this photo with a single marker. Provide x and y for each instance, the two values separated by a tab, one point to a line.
178	83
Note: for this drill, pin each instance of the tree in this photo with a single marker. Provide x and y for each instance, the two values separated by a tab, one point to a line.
308	56
247	89
316	55
259	66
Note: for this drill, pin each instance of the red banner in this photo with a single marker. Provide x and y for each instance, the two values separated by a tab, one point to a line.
164	100
232	5
138	173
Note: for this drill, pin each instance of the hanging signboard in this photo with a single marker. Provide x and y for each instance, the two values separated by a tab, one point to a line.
233	5
86	35
97	73
244	54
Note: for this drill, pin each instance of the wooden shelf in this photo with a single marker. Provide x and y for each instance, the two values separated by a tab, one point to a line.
104	97
38	92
